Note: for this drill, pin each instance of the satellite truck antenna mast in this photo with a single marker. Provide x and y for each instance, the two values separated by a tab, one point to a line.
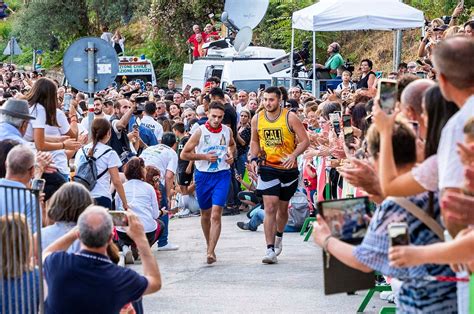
90	64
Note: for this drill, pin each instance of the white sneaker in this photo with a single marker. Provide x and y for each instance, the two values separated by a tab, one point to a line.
128	256
270	257
183	213
278	245
168	247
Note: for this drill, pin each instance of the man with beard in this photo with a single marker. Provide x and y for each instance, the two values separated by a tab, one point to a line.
98	113
278	138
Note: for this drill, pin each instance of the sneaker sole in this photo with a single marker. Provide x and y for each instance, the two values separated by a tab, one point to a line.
129	258
269	261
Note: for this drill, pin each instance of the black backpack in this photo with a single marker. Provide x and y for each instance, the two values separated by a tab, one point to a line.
86	173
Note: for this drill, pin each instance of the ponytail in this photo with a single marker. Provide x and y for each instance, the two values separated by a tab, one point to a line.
99	130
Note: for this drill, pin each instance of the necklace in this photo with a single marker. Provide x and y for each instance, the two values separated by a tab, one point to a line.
97	258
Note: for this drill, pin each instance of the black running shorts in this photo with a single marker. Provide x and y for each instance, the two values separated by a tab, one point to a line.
277	182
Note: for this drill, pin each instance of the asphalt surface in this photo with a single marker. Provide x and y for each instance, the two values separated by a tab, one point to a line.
239	282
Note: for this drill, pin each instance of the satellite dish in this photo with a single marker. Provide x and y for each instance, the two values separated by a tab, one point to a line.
242	39
242	13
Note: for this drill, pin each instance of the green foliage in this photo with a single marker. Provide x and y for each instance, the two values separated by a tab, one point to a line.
172	20
5	30
275	29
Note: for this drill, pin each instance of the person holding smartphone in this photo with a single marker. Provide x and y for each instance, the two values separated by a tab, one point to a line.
415	295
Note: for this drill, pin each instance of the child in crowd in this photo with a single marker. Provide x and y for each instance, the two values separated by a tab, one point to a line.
346	83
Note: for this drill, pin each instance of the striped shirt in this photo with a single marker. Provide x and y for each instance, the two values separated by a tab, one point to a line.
415	295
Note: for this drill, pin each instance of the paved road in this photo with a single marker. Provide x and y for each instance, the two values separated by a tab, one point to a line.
239	282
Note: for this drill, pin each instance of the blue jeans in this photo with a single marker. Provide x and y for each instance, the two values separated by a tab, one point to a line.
240	164
259	216
163	239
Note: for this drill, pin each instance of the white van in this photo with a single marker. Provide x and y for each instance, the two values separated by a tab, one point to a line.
246	71
135	68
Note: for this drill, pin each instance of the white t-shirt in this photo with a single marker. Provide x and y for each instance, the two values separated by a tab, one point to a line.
161	156
141	198
151	124
450	168
107	161
59	156
213	143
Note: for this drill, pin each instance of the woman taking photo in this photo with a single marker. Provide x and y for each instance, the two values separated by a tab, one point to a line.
368	77
50	130
107	163
143	203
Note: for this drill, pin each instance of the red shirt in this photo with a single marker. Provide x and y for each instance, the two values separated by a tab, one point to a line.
192	40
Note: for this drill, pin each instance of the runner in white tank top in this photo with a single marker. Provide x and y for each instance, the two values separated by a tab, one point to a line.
211	147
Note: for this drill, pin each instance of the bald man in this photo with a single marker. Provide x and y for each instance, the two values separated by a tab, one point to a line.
411	102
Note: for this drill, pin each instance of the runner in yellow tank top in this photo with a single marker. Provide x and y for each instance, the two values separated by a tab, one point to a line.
278	138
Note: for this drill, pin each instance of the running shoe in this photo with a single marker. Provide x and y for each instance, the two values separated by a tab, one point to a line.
278	245
128	255
270	257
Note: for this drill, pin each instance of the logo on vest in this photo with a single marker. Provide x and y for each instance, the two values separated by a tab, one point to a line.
273	137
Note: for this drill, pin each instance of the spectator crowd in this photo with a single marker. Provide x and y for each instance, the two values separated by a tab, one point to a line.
420	153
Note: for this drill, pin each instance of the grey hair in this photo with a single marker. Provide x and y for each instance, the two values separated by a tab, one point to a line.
16	122
92	234
20	160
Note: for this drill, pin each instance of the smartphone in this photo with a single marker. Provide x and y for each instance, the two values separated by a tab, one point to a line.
211	15
119	218
416	127
333	116
207	85
419	62
336	126
421	74
38	184
387	94
262	86
347	129
67	102
398	233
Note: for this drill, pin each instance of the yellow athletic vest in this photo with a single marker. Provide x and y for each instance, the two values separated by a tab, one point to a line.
277	140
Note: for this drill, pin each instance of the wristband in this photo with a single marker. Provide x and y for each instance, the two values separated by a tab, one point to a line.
254	159
326	242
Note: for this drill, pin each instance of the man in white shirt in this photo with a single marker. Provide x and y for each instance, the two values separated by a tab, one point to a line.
164	157
149	122
456	81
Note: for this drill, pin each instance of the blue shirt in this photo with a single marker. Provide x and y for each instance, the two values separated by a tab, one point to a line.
24	290
88	282
10	132
147	135
16	198
416	295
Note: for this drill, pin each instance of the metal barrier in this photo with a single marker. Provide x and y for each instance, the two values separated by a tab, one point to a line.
21	277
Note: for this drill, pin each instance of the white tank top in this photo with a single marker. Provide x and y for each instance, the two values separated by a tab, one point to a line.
213	143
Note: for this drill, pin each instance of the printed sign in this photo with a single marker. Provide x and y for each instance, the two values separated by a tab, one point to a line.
129	68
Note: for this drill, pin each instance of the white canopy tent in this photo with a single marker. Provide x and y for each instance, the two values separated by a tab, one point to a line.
348	15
